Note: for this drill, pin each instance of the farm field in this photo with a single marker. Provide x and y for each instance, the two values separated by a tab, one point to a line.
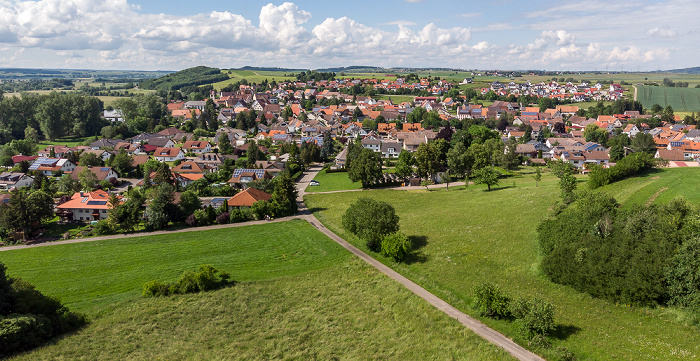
67	141
299	296
469	236
251	77
333	182
680	99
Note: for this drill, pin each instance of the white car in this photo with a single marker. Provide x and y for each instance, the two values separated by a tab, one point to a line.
314	183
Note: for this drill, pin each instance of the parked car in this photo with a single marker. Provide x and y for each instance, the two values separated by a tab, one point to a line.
314	183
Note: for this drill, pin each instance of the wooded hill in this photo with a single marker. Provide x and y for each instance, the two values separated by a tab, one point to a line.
193	76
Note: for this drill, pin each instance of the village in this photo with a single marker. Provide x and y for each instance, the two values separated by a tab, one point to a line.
293	114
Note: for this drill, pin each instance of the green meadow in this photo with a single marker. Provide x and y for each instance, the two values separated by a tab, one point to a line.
466	236
680	99
299	296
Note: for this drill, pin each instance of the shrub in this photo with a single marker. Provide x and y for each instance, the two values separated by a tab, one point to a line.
535	316
208	278
202	217
28	318
491	301
191	220
103	227
239	215
223	218
154	288
396	246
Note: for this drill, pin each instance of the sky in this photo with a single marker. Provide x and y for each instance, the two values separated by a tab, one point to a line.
630	35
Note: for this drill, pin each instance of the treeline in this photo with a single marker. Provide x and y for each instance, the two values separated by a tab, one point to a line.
189	77
640	256
53	116
628	166
36	84
313	75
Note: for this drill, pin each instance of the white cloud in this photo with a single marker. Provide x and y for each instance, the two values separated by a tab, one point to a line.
113	34
400	22
662	32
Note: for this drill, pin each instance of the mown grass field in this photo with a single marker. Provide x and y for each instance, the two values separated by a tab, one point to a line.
300	296
469	236
680	99
333	182
252	77
67	141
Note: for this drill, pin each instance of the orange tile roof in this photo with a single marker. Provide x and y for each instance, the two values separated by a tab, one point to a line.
248	197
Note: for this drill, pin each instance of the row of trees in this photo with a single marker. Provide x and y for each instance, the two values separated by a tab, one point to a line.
644	255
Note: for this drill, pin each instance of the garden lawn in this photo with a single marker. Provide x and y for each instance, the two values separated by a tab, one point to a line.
333	182
469	236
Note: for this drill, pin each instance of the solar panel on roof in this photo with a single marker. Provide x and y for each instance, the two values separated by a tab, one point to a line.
104	169
96	203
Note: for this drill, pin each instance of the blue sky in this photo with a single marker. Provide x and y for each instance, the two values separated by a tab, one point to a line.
502	34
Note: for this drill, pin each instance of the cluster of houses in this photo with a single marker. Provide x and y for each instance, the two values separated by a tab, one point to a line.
582	92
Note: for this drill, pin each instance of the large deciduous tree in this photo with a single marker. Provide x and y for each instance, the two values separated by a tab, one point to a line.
366	167
371	221
26	211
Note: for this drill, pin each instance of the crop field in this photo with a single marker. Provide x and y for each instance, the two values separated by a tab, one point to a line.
680	99
299	296
467	236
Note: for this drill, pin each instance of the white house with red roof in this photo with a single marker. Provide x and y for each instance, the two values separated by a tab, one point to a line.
197	146
168	154
85	206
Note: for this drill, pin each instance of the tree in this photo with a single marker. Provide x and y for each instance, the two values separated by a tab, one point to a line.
366	167
189	202
225	146
427	160
458	159
25	212
535	317
122	163
404	165
486	175
327	148
310	152
161	209
644	142
284	195
31	135
567	184
66	184
537	176
371	220
88	179
90	160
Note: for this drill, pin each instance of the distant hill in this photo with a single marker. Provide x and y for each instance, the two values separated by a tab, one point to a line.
695	70
257	68
189	77
26	73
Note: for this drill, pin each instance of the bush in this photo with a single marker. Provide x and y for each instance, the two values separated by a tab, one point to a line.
191	220
396	246
535	316
208	278
154	288
28	318
491	301
240	215
202	217
103	227
223	218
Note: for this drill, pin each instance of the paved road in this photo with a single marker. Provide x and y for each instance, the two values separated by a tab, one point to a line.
473	324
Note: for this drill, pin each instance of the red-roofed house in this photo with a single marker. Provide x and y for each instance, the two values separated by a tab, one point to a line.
247	197
168	154
197	146
85	206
